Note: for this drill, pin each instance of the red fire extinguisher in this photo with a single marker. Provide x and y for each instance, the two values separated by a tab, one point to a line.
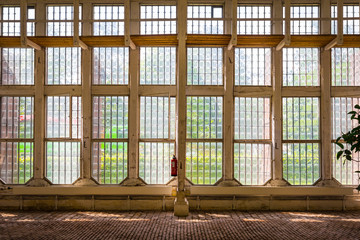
173	166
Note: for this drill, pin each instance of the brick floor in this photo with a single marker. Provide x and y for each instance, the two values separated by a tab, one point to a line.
163	225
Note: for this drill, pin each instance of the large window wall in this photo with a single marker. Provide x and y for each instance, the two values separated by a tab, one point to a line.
109	112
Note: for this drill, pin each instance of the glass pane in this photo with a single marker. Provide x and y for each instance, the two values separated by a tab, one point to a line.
257	23
301	67
109	162
60	20
17	66
252	66
301	163
58	115
161	23
350	26
204	117
11	24
16	162
110	117
301	118
204	26
252	163
154	161
63	66
204	162
252	118
299	25
17	117
205	66
109	12
111	66
158	65
12	17
345	66
63	162
157	117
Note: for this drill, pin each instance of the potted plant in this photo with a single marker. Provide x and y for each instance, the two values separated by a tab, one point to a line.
350	141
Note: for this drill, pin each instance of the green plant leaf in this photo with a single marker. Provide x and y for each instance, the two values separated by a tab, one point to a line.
347	152
356	128
338	155
357	171
352	112
353	147
357	106
348	157
358	188
340	145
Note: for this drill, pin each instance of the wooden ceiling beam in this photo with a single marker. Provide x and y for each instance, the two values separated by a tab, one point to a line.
193	40
32	44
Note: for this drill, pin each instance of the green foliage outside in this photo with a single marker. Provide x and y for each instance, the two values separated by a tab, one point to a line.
204	162
22	164
204	121
115	117
301	163
111	166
